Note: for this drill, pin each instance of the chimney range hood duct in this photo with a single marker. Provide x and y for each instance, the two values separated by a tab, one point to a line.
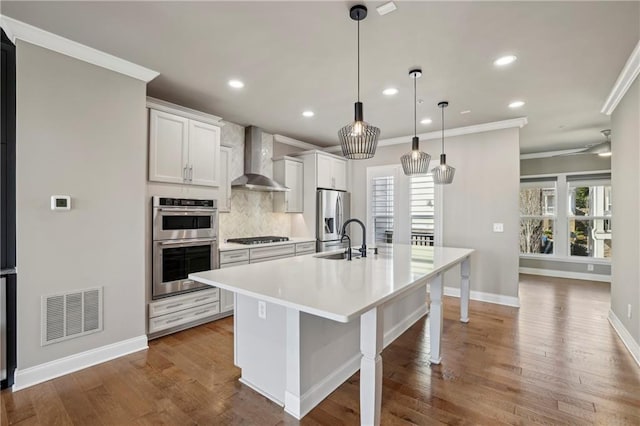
252	179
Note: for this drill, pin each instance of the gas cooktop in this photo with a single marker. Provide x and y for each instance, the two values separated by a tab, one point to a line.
257	240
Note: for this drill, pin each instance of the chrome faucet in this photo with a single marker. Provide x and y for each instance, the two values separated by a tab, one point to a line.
363	248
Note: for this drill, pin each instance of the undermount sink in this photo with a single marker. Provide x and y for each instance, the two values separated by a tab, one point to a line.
335	256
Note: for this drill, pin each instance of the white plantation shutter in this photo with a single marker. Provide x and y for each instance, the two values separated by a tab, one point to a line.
382	209
422	210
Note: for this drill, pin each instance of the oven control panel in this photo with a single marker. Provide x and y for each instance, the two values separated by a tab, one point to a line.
183	202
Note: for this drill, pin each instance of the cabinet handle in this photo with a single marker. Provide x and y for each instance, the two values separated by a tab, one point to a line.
175	305
233	256
200	299
191	173
184	174
173	320
201	312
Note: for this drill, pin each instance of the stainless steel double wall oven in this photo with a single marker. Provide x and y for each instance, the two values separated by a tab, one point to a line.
185	240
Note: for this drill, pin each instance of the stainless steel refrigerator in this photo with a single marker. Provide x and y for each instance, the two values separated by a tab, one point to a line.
332	209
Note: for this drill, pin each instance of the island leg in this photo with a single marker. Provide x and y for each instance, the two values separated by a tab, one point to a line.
465	272
371	367
435	318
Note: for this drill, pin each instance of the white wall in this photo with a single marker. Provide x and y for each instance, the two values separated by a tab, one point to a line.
625	179
80	132
485	190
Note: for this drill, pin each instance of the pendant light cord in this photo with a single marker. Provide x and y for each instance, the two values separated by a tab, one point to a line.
442	107
415	113
358	60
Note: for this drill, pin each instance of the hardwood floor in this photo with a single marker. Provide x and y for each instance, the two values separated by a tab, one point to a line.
556	360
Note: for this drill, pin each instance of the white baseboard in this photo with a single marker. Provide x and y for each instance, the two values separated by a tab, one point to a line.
395	332
322	389
565	274
59	367
625	336
481	296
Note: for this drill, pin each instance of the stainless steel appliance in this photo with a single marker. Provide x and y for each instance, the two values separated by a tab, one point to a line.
185	240
257	240
332	209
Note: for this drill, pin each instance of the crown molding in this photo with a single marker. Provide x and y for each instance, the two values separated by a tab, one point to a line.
19	30
623	83
458	131
294	142
160	105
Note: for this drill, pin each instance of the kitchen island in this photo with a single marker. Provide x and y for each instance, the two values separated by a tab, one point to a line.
304	325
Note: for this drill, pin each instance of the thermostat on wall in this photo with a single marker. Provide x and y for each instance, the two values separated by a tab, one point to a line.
60	202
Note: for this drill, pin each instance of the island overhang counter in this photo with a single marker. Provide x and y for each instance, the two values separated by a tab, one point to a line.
304	325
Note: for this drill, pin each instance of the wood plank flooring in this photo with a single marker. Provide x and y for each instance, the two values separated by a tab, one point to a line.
556	360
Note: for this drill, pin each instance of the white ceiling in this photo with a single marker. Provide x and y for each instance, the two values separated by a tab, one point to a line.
294	56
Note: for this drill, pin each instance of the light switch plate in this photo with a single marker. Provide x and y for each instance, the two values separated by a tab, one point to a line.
498	227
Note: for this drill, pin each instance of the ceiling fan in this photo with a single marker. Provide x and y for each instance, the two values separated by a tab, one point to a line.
603	149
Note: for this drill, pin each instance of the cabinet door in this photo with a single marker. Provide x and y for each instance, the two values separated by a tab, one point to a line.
324	172
224	190
168	140
339	172
294	180
204	154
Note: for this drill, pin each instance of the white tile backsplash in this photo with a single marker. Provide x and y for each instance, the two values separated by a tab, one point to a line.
251	211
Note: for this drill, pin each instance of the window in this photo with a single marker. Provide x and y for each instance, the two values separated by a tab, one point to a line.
422	210
589	215
566	216
537	216
382	209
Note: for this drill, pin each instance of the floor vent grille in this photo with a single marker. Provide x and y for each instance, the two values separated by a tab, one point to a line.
72	314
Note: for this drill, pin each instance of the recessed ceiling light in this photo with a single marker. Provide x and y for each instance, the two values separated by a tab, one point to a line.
466	111
236	84
390	91
505	60
425	121
516	104
308	113
386	8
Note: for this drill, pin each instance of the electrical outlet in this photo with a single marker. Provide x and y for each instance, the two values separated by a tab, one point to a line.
498	227
590	267
629	311
262	309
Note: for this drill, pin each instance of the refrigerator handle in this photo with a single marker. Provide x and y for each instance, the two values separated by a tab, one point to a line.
339	215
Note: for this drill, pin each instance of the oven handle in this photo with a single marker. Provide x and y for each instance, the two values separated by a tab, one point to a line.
190	241
180	210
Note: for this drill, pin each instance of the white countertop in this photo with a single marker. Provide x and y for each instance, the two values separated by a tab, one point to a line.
336	289
236	246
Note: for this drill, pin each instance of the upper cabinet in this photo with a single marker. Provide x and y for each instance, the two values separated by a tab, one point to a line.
184	145
331	172
224	191
289	172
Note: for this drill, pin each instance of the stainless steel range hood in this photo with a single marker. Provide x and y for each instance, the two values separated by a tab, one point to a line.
252	179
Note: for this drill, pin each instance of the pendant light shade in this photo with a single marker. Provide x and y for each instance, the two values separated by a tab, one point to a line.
443	173
358	139
415	162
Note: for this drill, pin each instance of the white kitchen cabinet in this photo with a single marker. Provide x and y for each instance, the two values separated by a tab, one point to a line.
331	172
182	149
290	172
226	297
224	190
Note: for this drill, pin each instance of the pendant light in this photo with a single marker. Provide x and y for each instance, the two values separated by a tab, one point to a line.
443	174
358	139
416	162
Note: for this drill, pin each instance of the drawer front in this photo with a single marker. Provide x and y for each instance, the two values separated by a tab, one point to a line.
234	256
179	303
229	265
274	251
267	259
178	318
305	248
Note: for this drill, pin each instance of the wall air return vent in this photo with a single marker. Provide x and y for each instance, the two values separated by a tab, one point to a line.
69	315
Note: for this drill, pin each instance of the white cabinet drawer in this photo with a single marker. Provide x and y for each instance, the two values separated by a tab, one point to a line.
268	259
273	251
178	303
305	248
229	265
182	317
234	256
